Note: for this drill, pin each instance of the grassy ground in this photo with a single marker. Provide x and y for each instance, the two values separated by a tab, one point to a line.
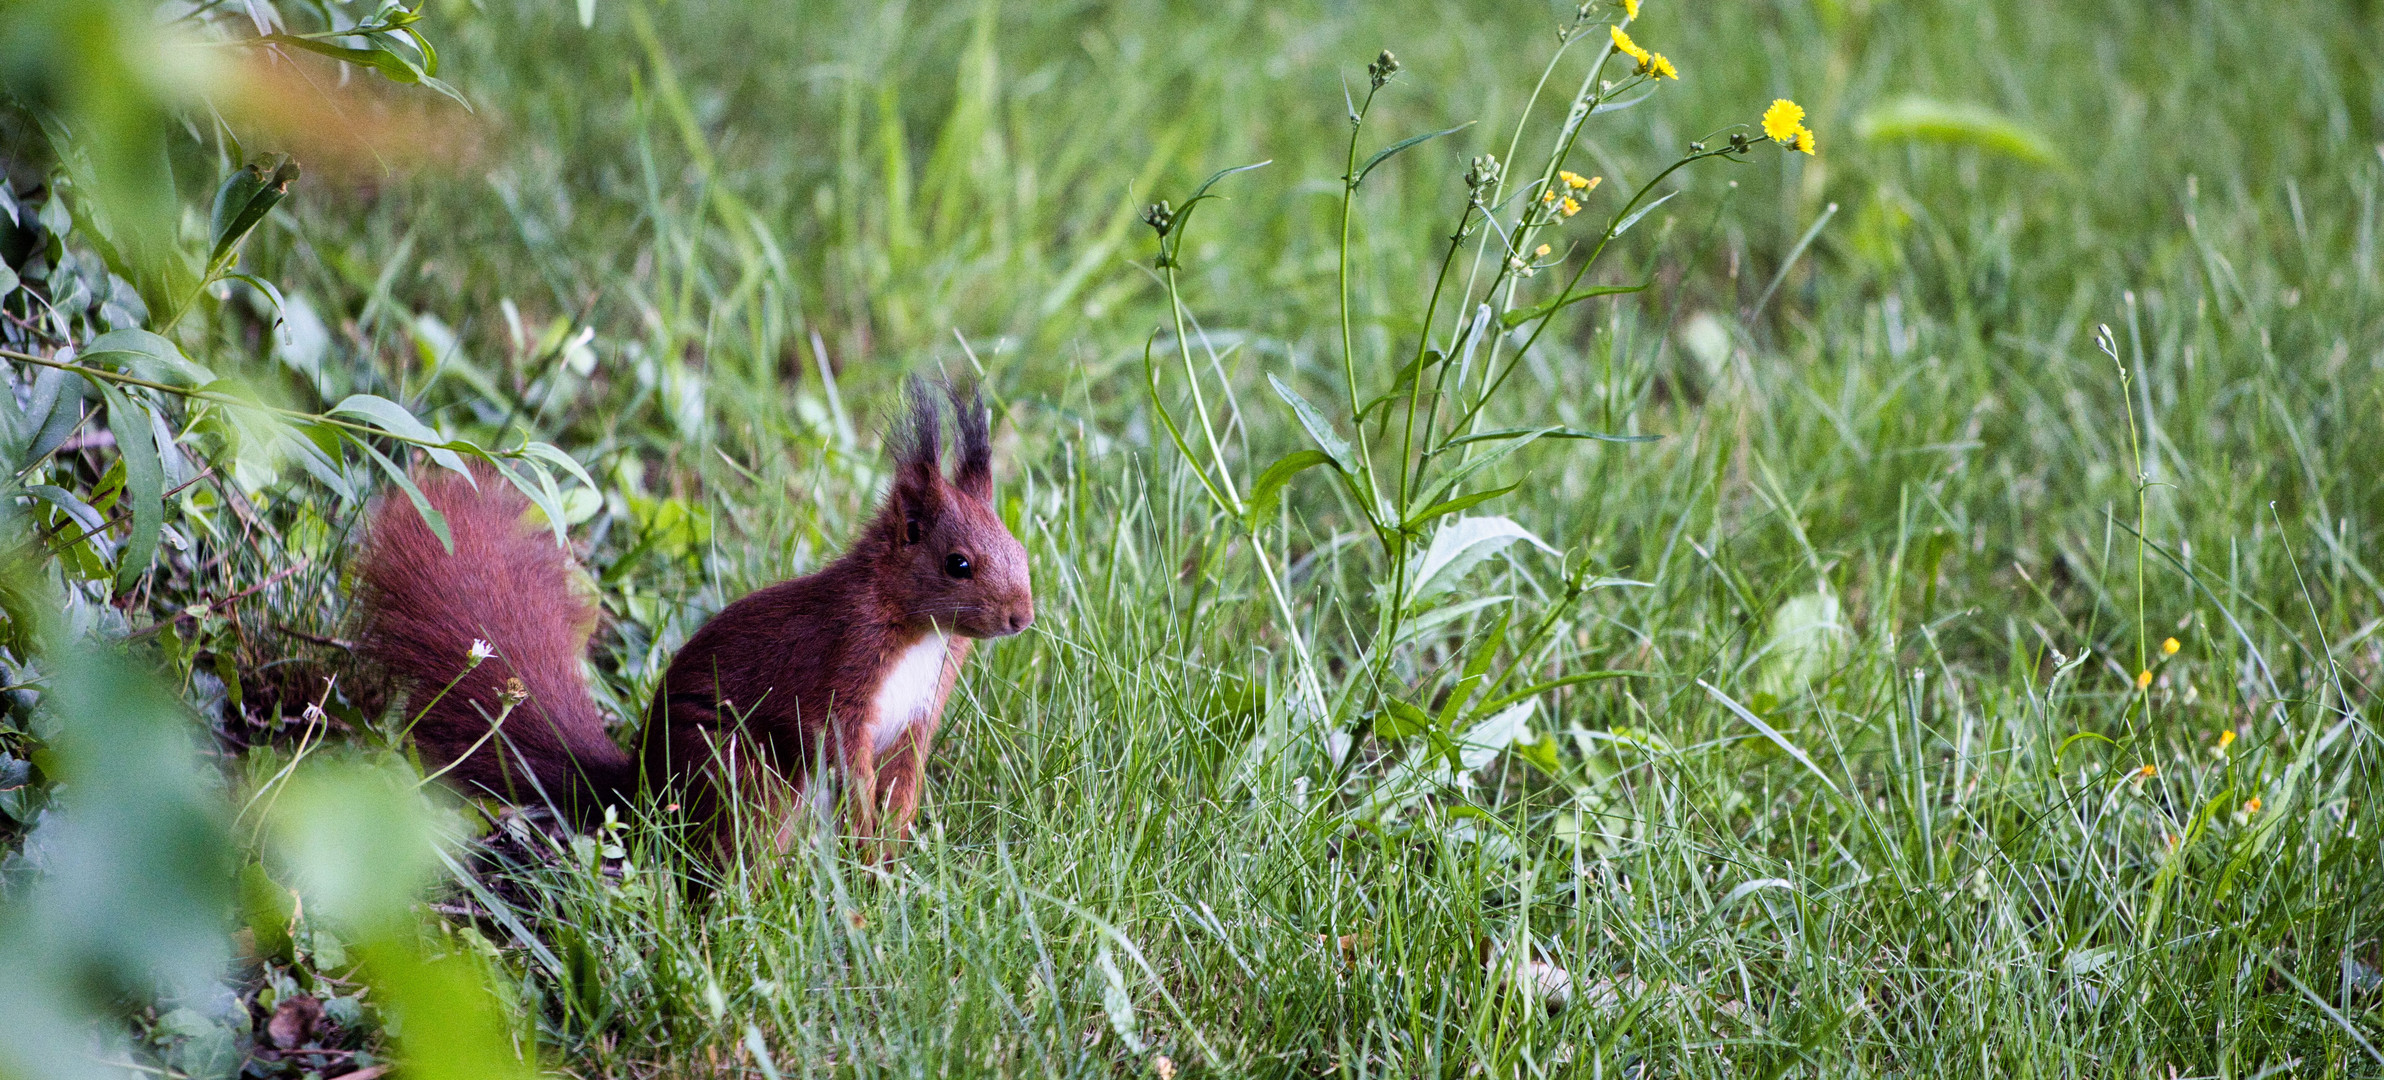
1885	798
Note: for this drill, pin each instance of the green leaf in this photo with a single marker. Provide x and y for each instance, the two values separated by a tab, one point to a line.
547	452
1429	619
71	505
147	355
1183	214
1626	223
1519	316
53	412
1487	653
389	64
539	487
1459	545
391	417
430	56
1537	689
1542	433
1958	123
246	196
1541	754
1269	486
144	481
1400	720
1381	155
1317	426
1202	192
1400	383
397	475
263	286
392	66
268	910
1461	502
1476	667
1432	492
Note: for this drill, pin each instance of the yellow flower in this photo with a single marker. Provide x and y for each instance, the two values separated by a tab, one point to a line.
1630	9
1548	196
1541	251
2226	738
2143	678
1802	140
1570	207
2251	805
1623	42
1659	67
1572	179
2170	647
2148	771
1783	120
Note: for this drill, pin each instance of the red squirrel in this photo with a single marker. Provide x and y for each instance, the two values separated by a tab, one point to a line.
849	666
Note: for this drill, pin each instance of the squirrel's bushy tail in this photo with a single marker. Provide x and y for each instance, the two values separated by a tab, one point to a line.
509	585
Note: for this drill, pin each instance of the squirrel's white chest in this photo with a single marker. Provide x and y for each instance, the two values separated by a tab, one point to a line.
909	691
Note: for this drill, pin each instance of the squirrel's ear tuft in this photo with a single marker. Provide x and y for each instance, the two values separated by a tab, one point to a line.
976	442
918	440
918	453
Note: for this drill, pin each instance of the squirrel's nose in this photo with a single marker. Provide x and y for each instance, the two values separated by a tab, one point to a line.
1019	620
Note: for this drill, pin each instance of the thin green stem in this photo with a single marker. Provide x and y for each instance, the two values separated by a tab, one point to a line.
1423	340
1349	370
212	397
1208	429
1491	389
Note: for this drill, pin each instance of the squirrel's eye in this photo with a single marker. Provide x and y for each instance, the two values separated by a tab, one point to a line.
957	565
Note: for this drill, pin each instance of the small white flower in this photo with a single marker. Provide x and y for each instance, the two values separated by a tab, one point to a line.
481	650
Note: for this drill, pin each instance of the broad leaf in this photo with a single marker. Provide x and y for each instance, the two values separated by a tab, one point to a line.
1319	429
70	504
52	413
1269	486
1481	744
1400	720
1462	544
547	452
147	355
242	202
394	67
391	417
397	474
144	481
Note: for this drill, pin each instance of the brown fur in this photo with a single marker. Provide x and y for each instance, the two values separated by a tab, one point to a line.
509	585
776	681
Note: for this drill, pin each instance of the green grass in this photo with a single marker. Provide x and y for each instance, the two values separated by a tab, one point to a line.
1933	854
